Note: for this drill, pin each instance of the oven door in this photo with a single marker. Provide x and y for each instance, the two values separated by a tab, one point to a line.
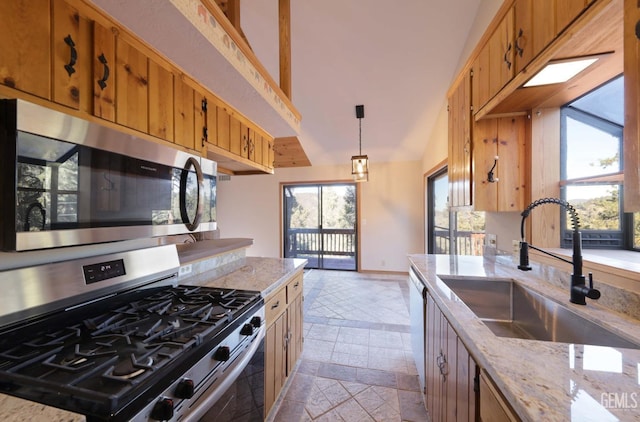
99	186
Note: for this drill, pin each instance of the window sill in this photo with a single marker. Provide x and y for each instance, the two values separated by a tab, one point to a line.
625	264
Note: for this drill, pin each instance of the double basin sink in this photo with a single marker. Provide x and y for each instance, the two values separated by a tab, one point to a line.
510	309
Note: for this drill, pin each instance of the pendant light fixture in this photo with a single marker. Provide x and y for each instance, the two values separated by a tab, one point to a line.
360	163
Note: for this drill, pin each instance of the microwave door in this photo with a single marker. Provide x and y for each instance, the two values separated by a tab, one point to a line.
191	195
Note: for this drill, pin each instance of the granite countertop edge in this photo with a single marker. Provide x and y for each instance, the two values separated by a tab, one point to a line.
532	375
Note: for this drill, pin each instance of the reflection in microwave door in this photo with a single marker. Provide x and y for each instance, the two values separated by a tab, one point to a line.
161	217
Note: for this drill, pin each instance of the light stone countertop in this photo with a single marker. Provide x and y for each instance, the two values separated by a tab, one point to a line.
543	381
262	274
265	275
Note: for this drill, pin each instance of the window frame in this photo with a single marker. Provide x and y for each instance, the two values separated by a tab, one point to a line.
621	239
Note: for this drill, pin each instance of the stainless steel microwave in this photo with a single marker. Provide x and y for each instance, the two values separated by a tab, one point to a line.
67	181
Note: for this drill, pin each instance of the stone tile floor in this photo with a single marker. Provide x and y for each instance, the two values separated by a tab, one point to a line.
357	363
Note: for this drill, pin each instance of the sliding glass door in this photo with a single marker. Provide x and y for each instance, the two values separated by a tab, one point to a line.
320	225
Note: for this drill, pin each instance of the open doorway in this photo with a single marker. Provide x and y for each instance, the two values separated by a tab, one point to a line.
320	224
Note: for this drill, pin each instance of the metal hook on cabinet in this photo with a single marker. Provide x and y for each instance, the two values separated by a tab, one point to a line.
490	176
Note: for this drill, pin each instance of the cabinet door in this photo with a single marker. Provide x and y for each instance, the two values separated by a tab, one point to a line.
132	86
271	152
460	144
523	44
294	345
544	19
201	132
485	149
251	139
259	143
512	163
275	361
66	43
185	116
212	124
235	135
480	79
493	407
161	103
224	129
501	55
104	59
25	46
632	109
567	11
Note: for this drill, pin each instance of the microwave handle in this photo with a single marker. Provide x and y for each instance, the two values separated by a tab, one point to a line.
191	225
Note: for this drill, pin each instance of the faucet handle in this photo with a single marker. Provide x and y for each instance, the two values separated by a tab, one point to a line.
592	293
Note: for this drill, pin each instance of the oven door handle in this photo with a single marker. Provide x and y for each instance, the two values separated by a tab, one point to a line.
230	378
191	225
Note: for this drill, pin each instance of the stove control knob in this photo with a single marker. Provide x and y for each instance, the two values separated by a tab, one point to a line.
256	321
222	353
163	410
246	330
185	389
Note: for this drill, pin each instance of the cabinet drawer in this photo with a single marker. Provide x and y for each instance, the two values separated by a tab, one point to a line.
294	288
275	306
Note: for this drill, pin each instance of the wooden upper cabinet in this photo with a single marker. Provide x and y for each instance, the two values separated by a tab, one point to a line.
632	108
161	105
523	45
459	166
251	140
501	54
132	86
104	60
67	53
25	46
544	29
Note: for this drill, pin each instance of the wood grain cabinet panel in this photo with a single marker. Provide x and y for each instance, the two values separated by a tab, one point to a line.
480	79
544	18
459	165
501	54
67	53
212	124
493	407
504	138
451	372
567	11
25	46
523	36
185	116
244	140
224	129
200	111
235	135
104	60
161	105
132	86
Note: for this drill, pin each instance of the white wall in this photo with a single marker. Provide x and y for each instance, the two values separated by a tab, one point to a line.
390	210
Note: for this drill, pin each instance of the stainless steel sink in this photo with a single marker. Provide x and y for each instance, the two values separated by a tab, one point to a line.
511	310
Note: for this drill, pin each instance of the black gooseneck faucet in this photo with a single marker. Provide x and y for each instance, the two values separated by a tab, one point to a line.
579	290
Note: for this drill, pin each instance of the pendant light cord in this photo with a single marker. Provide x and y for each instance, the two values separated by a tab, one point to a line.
360	135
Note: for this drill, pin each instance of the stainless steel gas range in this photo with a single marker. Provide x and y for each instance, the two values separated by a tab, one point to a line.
116	338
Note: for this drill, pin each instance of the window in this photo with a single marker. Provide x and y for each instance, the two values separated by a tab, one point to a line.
451	232
592	174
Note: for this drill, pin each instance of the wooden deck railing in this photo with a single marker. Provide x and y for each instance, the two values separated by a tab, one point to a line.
466	242
326	241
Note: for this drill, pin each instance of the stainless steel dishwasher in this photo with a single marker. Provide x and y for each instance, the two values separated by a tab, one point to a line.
417	314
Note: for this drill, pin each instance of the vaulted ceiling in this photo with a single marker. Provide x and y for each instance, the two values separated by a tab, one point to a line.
396	58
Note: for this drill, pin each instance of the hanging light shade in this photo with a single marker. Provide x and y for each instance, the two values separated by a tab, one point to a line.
360	163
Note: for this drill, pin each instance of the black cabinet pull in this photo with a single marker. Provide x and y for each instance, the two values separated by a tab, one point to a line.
205	135
519	50
506	53
204	105
638	30
74	55
103	82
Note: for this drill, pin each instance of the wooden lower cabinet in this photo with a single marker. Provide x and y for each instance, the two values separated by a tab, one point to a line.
451	372
493	407
283	340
